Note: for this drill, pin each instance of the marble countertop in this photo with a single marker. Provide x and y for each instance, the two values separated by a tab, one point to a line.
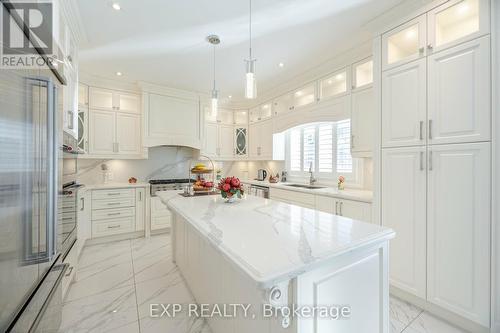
272	241
348	194
114	185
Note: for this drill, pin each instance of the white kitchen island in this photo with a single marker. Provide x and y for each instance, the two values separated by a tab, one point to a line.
274	257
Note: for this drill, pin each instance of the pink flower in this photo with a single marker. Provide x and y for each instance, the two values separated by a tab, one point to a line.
226	187
228	180
341	179
235	182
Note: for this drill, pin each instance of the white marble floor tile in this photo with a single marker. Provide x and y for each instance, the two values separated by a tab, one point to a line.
112	311
403	312
427	323
158	245
397	326
100	254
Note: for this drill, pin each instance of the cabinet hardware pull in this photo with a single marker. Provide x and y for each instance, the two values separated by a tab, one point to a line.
117	147
114	193
113	203
113	226
113	214
140	196
336	208
82	200
421	129
70	270
421	161
341	204
430	46
352	141
430	129
430	161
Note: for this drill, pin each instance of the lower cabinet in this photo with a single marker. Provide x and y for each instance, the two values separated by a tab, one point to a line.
117	211
161	218
348	208
438	200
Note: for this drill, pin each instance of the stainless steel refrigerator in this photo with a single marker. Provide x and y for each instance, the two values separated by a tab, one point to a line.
30	184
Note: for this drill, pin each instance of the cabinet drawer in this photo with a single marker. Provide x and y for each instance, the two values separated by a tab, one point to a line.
160	222
113	227
104	214
113	194
113	203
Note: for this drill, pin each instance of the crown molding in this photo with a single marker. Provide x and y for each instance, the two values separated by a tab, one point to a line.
102	82
400	14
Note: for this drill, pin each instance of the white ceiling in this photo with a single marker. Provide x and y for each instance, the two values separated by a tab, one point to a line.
163	41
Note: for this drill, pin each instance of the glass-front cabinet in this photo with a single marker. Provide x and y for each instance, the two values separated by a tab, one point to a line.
240	141
362	74
404	43
261	112
83	126
304	96
334	85
282	104
457	21
240	117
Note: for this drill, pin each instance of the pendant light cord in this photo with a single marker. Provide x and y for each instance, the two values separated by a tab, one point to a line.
250	29
214	67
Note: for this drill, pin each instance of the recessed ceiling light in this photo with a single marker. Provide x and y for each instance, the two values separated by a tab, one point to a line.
281	64
119	73
116	6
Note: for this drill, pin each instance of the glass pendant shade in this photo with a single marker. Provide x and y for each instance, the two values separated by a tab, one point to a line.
251	80
215	102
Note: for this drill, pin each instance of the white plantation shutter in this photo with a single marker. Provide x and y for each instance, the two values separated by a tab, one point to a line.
309	147
295	152
344	159
325	147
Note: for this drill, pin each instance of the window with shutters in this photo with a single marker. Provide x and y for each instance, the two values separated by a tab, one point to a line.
324	148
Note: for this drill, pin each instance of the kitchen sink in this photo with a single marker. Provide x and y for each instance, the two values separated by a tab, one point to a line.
309	187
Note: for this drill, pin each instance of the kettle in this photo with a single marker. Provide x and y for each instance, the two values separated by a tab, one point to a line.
261	174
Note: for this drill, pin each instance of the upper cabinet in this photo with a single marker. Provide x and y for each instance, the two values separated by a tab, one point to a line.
334	85
171	121
282	104
457	21
83	95
362	74
105	99
446	26
261	112
404	43
240	117
304	96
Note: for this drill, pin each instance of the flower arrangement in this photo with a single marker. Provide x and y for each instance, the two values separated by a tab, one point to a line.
230	187
341	182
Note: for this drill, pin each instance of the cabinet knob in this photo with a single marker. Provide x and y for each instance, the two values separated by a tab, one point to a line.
430	46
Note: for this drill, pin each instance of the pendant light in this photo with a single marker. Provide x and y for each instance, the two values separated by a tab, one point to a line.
251	80
214	40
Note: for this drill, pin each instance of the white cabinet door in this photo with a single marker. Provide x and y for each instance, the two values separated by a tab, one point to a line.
403	209
140	208
362	74
225	116
102	132
362	122
126	102
304	96
254	115
360	211
334	85
128	133
254	141
405	43
325	204
226	142
83	219
240	117
458	266
210	142
457	21
404	105
101	98
241	141
459	93
283	104
266	140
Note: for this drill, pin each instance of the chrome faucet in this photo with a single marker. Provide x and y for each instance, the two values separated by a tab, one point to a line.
312	180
